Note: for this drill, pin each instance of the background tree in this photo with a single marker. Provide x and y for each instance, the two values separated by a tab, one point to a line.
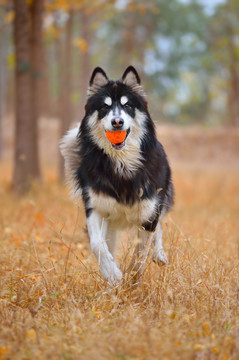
225	49
65	91
85	57
6	16
186	52
24	157
27	37
36	57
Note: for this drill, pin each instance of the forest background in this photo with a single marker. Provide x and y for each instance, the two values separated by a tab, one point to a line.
187	53
54	303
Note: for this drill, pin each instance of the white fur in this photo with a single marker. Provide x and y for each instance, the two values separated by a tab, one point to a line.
108	267
108	215
123	100
111	239
128	159
92	121
106	121
159	255
70	150
108	101
119	215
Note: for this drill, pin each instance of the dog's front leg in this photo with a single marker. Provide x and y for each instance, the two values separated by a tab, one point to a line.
97	228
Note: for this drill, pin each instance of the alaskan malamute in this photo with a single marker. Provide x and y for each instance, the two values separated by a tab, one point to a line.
115	162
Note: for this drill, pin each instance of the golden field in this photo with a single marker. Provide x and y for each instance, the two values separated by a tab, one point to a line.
54	303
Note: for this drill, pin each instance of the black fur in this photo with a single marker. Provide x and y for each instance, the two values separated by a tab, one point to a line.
114	89
131	69
97	169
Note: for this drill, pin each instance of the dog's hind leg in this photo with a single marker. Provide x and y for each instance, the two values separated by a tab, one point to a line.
140	255
97	227
159	255
111	239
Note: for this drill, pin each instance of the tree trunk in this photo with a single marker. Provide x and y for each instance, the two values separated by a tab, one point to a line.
65	97
26	166
85	62
3	84
128	40
233	96
36	55
45	102
233	93
23	130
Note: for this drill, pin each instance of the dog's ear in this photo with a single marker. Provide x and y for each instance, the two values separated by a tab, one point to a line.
97	80
132	79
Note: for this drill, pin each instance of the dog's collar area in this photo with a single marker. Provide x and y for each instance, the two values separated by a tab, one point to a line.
121	145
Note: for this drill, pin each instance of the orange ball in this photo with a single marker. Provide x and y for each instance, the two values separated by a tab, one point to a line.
116	137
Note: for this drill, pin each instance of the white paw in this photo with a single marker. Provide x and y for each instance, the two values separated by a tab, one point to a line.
111	273
159	257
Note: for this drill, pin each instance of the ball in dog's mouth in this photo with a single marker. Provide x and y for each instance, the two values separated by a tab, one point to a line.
117	138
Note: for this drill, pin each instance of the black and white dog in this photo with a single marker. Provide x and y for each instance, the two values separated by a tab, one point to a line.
122	184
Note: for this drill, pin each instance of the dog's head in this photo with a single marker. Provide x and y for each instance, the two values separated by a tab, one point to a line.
116	108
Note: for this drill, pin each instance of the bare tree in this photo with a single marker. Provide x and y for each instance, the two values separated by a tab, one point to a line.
85	60
4	39
3	83
26	166
65	96
36	56
233	69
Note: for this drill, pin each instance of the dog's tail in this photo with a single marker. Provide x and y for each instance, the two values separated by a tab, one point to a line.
69	147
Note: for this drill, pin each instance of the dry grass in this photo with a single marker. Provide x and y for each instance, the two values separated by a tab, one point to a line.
54	304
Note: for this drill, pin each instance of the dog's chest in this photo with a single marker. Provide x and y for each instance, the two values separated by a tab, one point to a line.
120	215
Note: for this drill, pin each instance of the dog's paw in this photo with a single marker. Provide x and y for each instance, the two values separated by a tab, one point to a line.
159	257
112	274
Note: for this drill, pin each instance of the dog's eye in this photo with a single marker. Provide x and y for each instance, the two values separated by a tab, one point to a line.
105	107
127	105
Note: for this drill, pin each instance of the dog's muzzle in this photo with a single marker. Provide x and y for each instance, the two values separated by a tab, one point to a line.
117	122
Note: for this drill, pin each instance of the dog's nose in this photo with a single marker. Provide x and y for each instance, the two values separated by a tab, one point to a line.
117	122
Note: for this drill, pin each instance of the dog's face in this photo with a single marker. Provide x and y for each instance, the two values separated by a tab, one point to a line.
115	106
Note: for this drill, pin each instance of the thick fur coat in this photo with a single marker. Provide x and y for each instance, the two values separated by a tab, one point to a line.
125	184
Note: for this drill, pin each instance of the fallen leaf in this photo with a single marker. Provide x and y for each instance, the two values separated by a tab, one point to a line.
31	334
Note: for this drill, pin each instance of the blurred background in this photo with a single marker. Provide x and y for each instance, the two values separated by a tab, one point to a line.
186	51
53	302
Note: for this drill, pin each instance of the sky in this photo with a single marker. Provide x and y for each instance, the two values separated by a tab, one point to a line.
208	4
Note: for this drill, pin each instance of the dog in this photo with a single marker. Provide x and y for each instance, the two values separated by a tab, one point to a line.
125	182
